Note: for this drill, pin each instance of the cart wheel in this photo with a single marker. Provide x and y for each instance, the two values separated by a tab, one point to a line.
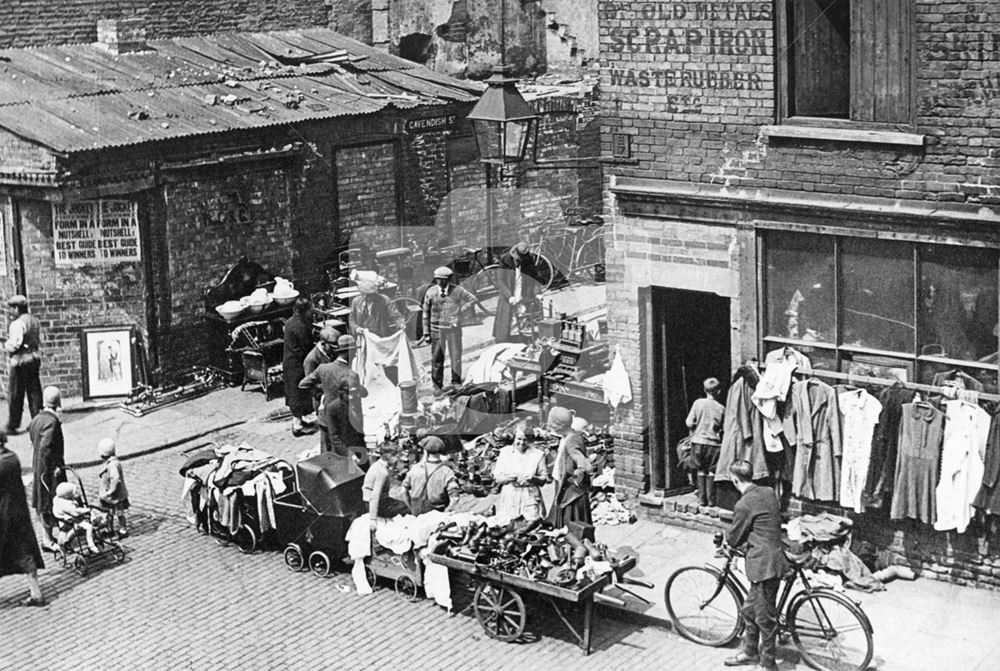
245	539
500	611
80	565
293	557
406	588
118	554
319	563
370	576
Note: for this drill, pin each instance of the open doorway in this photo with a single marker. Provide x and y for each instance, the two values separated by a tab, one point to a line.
689	341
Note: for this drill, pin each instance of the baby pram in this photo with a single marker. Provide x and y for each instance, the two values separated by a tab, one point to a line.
312	520
71	546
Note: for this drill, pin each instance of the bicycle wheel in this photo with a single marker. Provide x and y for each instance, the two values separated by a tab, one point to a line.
488	281
590	256
701	610
544	273
830	632
411	311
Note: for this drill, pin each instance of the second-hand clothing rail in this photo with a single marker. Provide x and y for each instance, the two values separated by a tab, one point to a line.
888	382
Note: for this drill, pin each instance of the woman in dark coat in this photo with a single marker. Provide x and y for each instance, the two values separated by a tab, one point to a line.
298	343
18	546
519	257
571	472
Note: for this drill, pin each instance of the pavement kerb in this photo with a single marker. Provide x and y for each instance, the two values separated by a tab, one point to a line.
150	450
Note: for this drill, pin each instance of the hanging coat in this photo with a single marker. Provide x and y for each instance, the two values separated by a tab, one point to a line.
743	430
988	497
816	474
882	465
920	432
965	432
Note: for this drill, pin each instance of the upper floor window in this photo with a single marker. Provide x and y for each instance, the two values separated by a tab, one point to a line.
846	59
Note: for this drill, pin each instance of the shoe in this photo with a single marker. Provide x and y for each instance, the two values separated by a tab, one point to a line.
32	601
123	534
49	547
742	659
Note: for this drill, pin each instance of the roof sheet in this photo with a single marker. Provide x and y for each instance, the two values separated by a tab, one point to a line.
82	97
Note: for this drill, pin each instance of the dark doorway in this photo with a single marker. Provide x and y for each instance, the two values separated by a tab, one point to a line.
689	342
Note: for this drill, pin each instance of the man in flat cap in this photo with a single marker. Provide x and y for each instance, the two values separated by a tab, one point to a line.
444	304
430	484
24	337
342	394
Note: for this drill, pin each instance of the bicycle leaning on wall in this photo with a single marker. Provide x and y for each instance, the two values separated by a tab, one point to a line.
830	631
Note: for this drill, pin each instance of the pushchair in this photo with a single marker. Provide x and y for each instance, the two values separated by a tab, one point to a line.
71	546
312	520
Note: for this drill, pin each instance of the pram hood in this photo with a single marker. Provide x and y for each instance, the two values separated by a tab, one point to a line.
331	484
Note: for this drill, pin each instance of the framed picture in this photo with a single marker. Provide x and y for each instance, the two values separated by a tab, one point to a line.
108	360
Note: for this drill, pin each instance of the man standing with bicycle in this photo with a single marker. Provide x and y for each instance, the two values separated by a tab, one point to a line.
757	523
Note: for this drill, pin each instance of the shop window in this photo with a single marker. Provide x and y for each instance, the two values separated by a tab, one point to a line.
845	59
877	295
800	287
958	303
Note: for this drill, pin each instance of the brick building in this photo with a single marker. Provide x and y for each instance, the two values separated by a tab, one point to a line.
818	174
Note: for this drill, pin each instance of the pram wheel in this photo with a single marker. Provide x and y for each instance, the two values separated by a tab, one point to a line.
406	588
293	557
245	539
370	576
80	565
319	563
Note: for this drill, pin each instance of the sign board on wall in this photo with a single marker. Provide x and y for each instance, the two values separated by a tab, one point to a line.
95	232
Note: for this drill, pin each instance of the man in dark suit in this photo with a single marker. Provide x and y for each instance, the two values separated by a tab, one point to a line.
757	523
342	394
298	343
47	462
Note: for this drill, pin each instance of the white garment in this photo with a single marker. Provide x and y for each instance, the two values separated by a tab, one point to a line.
616	383
966	430
492	363
514	500
789	354
773	387
860	411
383	403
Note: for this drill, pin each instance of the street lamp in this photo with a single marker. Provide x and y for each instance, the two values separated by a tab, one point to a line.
502	122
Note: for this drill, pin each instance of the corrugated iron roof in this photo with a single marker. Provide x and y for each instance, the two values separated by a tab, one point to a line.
82	97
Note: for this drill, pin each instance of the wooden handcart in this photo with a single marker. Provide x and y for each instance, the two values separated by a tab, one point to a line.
499	605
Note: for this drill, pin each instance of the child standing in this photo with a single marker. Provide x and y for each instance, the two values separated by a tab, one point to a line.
113	494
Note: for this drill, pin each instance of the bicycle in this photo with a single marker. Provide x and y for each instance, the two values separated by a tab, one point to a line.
830	631
577	249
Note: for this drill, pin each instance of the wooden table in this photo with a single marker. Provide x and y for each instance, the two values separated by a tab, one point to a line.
500	608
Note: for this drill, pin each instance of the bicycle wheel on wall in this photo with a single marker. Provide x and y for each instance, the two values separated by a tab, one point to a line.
590	257
700	609
830	632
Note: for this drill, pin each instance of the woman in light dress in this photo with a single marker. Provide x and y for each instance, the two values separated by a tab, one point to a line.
520	470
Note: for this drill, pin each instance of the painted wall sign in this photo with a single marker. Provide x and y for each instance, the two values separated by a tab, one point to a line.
95	232
431	124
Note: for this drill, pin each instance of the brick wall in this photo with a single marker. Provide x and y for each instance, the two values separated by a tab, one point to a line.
694	92
212	220
693	84
366	194
67	298
26	23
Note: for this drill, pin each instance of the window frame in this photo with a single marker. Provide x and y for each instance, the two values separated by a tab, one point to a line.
915	362
782	77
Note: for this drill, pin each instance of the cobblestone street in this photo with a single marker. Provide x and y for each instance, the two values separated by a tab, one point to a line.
181	601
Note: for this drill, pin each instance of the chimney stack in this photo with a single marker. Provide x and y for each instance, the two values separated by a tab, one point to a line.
121	36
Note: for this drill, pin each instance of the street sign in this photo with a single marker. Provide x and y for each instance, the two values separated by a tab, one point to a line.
431	124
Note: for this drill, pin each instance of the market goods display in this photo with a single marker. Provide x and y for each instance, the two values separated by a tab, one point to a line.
531	550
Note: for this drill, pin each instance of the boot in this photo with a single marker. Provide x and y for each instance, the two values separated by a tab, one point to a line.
710	489
702	497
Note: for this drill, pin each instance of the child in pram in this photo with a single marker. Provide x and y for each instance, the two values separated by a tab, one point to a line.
72	517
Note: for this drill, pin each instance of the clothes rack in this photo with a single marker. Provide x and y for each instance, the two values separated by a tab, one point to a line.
888	382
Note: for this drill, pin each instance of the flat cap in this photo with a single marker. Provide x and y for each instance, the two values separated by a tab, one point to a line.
443	272
18	301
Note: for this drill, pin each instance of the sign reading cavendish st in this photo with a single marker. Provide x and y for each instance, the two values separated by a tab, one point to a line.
96	232
431	124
